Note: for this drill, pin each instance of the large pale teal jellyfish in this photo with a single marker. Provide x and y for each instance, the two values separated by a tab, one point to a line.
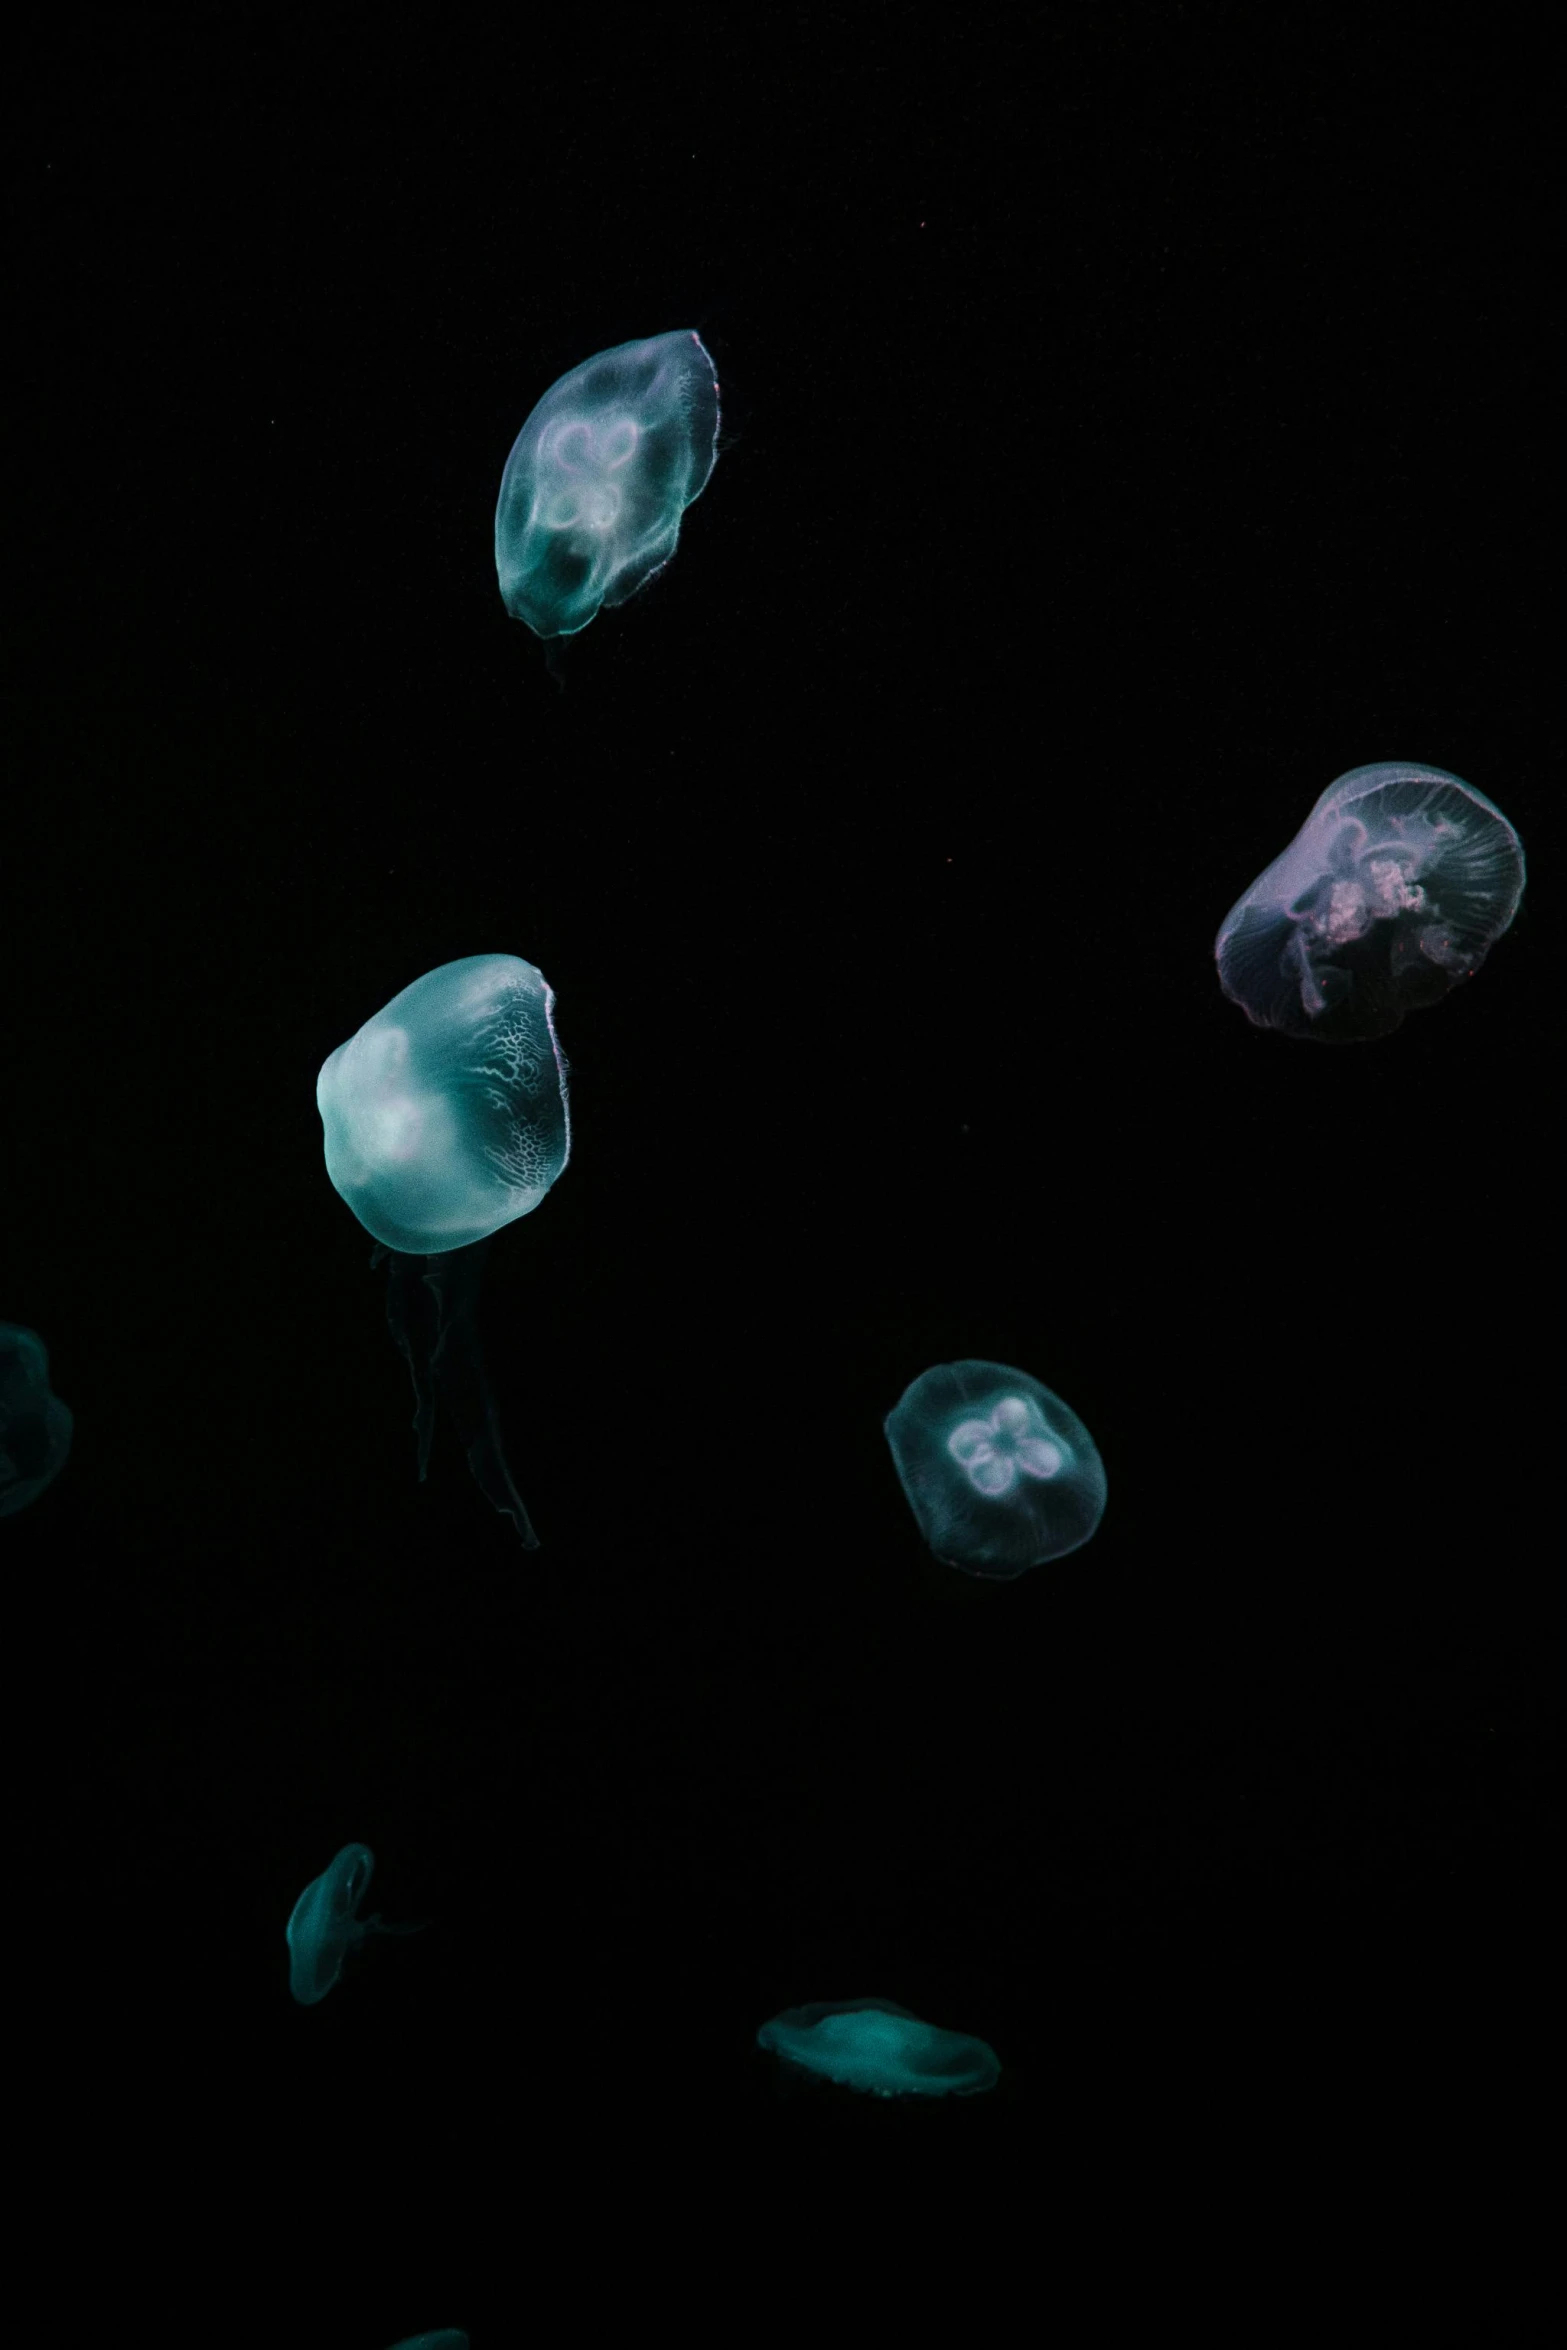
1000	1473
872	2045
324	1929
446	1118
35	1426
599	477
1393	890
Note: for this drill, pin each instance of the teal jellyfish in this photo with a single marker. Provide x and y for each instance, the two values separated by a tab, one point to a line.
446	1117
1001	1474
872	2045
324	1930
446	2339
35	1426
1395	888
599	477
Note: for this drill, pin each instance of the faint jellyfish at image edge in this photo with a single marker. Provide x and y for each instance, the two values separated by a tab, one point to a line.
35	1426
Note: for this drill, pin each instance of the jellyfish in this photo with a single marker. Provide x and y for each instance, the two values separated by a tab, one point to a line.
1395	888
323	1931
1000	1473
35	1426
446	2339
871	2044
445	1118
599	477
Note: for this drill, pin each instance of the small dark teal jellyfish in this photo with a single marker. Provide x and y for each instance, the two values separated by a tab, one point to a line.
446	1117
35	1426
324	1930
599	477
1000	1473
872	2045
1395	888
446	2339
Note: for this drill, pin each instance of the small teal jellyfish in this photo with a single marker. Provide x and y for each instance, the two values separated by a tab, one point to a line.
1395	888
446	2339
599	477
324	1930
35	1426
446	1116
1001	1475
872	2045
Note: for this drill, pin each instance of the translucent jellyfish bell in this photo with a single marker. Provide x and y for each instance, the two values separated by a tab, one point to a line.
35	1426
1001	1475
1394	889
599	477
446	1117
324	1930
875	2046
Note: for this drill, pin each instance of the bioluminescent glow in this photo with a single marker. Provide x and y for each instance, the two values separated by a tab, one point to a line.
446	1116
1001	1475
1394	889
599	477
324	1930
872	2045
35	1426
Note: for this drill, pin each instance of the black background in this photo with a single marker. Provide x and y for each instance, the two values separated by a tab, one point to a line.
1132	420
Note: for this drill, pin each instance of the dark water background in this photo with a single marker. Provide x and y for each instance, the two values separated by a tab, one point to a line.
1133	419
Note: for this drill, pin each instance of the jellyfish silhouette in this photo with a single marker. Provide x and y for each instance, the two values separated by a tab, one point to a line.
598	478
877	2047
1001	1474
1395	888
445	1118
35	1426
324	1931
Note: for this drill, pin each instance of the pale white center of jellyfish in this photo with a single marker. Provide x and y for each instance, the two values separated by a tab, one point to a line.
578	460
994	1453
392	1129
1352	908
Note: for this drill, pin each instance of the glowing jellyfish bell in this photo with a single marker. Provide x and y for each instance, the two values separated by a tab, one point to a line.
325	1929
446	1116
874	2046
35	1426
1001	1474
599	477
1395	888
